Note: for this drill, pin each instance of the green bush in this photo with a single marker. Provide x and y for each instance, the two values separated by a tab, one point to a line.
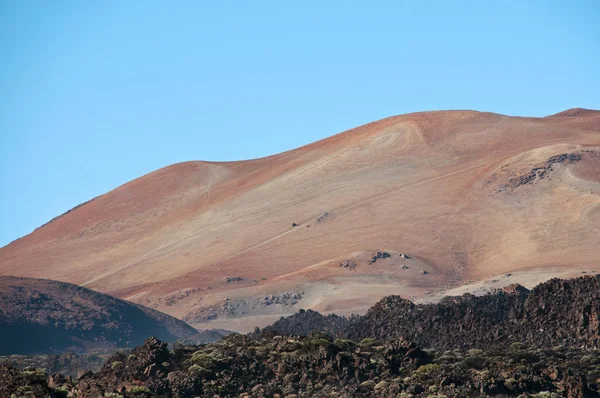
116	364
205	360
200	371
427	371
547	394
140	391
112	395
34	375
474	352
344	345
516	346
446	358
368	342
61	392
316	343
475	362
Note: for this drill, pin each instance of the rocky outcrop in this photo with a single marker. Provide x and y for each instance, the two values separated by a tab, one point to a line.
350	265
234	308
379	255
541	171
308	321
557	312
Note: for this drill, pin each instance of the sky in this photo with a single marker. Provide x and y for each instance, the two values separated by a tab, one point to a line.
96	93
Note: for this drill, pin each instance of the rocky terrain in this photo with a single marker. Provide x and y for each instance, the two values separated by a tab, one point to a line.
241	307
468	196
513	342
41	316
542	171
320	366
557	312
67	363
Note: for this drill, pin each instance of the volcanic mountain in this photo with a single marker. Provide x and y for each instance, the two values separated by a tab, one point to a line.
410	205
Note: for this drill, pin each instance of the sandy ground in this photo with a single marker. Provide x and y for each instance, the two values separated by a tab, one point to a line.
441	187
529	279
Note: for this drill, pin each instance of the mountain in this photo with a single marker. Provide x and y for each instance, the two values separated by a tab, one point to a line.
42	316
411	205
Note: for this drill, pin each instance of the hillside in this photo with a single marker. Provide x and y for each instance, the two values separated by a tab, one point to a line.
42	316
450	200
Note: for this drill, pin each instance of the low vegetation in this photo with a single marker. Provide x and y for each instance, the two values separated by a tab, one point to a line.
542	343
320	366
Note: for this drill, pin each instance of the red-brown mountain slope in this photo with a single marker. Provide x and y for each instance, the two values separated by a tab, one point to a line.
467	195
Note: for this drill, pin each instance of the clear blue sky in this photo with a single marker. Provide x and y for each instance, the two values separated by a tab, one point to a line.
96	93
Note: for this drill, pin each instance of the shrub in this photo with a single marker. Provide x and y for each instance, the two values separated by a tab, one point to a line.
368	342
195	368
25	392
588	360
427	371
429	368
547	394
475	362
446	359
34	375
139	391
316	343
405	395
516	346
518	353
61	392
205	360
116	364
200	371
474	352
344	345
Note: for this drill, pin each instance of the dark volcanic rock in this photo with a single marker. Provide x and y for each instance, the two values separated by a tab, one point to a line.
305	322
514	342
349	265
242	306
379	255
320	366
541	171
42	316
553	313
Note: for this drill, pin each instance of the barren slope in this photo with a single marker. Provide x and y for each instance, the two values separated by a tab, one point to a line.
467	195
